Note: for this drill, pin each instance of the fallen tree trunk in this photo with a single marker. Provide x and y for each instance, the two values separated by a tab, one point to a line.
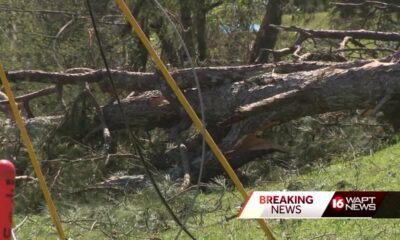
321	91
239	107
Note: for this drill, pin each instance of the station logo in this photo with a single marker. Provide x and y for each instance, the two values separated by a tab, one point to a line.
354	204
366	203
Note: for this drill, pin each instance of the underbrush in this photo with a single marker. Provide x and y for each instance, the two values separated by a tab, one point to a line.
103	215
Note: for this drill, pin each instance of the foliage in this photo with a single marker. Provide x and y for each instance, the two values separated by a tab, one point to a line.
324	152
142	216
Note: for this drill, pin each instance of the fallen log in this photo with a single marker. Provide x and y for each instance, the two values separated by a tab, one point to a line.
238	109
138	81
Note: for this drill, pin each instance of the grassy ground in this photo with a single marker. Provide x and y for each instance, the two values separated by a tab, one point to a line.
140	216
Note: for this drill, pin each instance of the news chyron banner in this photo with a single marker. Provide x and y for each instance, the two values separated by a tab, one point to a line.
273	205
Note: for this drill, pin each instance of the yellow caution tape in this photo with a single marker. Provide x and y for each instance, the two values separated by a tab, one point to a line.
188	108
32	155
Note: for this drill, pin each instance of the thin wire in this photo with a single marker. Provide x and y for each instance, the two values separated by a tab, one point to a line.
202	112
132	137
188	108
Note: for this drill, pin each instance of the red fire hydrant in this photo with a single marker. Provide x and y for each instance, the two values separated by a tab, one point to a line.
7	185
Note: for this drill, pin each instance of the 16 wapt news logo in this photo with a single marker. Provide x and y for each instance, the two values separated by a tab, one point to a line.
354	203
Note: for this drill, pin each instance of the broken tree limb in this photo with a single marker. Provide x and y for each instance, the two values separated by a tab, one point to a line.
365	49
137	81
278	54
344	35
377	4
340	34
29	96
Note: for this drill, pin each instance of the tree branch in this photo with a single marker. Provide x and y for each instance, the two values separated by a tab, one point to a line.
340	34
29	96
209	77
380	5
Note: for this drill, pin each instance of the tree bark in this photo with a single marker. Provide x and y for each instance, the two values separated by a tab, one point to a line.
209	77
201	29
254	98
267	36
138	53
187	25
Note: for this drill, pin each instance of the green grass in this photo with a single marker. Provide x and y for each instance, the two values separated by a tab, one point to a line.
319	20
141	216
